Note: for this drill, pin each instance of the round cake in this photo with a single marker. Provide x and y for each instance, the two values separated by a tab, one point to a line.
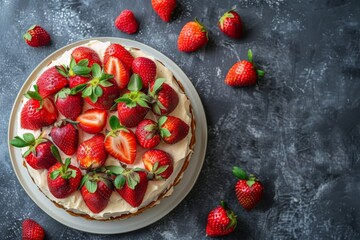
106	131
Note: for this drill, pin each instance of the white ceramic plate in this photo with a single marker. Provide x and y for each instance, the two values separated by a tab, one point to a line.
149	216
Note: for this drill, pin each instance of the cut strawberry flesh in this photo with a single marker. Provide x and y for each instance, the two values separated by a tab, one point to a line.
122	147
117	68
92	120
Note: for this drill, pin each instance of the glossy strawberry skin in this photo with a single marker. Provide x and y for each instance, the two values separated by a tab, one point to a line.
231	24
118	51
75	101
43	159
147	139
177	128
66	137
131	117
60	187
241	74
126	22
163	158
248	196
115	145
92	120
91	154
81	53
98	200
33	118
31	230
36	36
218	222
50	82
146	69
117	68
77	80
167	97
135	196
164	8
192	37
107	99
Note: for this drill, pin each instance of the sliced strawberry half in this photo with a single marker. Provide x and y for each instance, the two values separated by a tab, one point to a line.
92	120
120	142
119	52
117	68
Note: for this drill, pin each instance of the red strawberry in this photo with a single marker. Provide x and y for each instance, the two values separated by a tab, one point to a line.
120	142
230	24
96	190
249	190
92	120
51	81
192	37
131	184
117	68
126	22
65	136
82	53
172	129
164	8
77	73
147	134
158	162
39	155
64	99
63	179
101	91
132	106
243	73
118	51
31	230
77	80
37	112
165	99
91	154
221	221
36	36
146	69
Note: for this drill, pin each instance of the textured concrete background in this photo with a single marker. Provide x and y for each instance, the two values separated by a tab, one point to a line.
298	129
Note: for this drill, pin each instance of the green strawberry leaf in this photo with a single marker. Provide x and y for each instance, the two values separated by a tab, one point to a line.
91	186
55	174
117	170
83	62
132	180
29	138
18	142
72	62
83	180
55	153
78	88
250	56
162	120
119	181
156	109
93	98
96	70
158	83
250	182
27	36
161	169
114	123
98	91
239	173
105	83
30	150
164	132
87	92
106	76
81	70
135	83
67	163
260	73
61	70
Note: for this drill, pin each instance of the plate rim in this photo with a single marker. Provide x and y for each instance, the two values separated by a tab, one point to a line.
201	135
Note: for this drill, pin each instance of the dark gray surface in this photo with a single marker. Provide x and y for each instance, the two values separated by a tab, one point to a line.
298	129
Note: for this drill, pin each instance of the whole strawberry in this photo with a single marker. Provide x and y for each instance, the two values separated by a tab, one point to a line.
96	190
158	162
131	184
146	69
243	73
39	155
249	190
164	8
192	37
172	129
91	154
120	52
164	98
147	134
31	230
65	136
126	22
37	36
221	221
64	99
230	24
77	73
37	112
133	105
51	81
63	178
85	53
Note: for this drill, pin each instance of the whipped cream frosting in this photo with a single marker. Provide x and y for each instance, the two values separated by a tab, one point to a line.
117	206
